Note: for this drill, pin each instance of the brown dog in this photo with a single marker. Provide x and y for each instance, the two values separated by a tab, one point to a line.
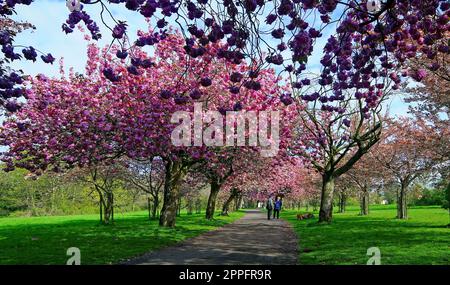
305	216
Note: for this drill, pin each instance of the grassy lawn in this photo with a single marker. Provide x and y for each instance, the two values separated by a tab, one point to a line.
45	240
422	239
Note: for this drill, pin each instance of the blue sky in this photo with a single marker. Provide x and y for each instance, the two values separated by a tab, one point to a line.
48	15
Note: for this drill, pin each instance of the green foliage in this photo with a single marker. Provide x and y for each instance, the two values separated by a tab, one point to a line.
51	194
431	197
422	239
446	204
45	240
45	195
14	192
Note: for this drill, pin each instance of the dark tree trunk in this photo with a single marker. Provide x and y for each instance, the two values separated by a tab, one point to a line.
112	207
402	211
342	201
239	202
364	202
236	202
326	201
152	205
175	173
226	205
149	207
211	207
190	206
108	209
179	207
106	205
100	205
155	207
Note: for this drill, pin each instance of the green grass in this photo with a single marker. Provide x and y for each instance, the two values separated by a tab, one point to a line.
422	239
45	240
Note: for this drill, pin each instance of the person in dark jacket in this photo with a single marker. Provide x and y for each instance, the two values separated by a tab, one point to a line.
269	207
277	208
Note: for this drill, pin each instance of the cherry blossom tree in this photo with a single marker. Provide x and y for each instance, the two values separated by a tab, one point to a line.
431	92
367	177
225	48
232	162
12	89
393	28
334	142
118	110
410	149
287	178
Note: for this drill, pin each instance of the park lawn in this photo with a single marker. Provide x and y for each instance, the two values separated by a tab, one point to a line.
422	239
45	240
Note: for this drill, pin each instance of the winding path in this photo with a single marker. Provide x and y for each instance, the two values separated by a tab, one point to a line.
250	240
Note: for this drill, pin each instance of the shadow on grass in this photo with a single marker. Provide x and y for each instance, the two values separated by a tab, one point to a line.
422	239
130	235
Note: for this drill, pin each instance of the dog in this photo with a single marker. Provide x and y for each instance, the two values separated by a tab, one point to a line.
305	216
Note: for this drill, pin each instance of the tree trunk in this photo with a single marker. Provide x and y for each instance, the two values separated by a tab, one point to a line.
190	206
364	202
155	207
112	207
108	209
226	205
175	173
152	205
326	201
402	211
198	206
100	205
211	207
237	201
179	207
149	207
342	200
106	206
239	204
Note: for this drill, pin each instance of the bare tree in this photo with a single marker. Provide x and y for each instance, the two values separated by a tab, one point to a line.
147	177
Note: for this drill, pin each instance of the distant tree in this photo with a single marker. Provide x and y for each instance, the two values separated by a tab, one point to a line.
431	99
146	177
345	189
367	176
104	180
410	149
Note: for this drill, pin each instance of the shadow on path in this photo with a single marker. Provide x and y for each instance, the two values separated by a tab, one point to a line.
250	240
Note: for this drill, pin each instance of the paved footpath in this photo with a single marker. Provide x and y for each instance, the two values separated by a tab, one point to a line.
250	240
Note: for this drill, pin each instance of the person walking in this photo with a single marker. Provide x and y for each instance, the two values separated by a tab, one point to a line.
277	207
269	207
